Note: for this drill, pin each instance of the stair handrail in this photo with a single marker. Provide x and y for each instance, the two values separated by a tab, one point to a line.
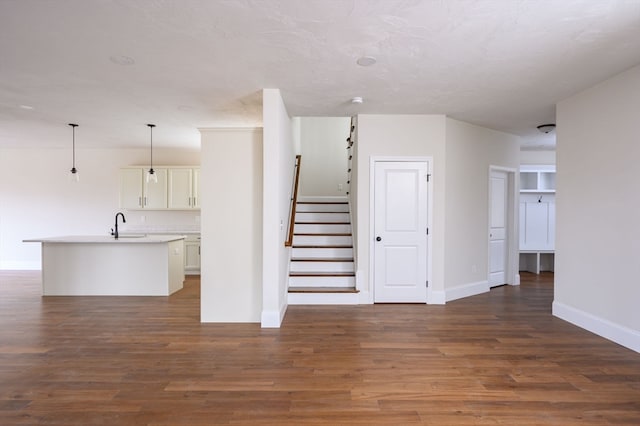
294	201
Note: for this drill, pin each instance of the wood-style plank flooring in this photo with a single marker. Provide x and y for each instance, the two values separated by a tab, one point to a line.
496	358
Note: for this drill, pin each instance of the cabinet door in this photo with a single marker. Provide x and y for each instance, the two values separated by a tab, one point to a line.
192	255
180	189
131	188
537	222
155	194
196	188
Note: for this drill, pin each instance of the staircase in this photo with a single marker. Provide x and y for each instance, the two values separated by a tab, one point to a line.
322	268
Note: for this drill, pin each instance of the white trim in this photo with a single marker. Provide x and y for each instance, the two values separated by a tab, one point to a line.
513	253
466	290
417	159
435	297
273	319
323	298
20	265
617	333
365	298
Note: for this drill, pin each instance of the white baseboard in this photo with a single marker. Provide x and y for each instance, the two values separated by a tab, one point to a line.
517	280
466	290
324	199
615	332
364	298
435	297
20	265
273	319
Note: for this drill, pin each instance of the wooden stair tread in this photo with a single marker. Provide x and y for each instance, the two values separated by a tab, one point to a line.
323	290
322	259
323	223
321	246
322	202
324	235
321	274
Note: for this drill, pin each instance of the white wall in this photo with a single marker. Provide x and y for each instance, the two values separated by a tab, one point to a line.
324	155
278	160
470	151
538	157
462	155
37	199
400	136
598	237
231	209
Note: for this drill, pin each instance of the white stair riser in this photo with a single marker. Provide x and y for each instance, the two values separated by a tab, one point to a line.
321	240
322	298
337	199
314	228
322	208
322	217
321	266
322	282
322	253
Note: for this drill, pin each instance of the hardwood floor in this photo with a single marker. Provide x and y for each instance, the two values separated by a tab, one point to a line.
496	358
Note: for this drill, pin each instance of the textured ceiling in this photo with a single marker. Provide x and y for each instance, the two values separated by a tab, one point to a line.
502	64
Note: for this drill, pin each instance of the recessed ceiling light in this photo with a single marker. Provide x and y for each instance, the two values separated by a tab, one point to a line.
27	107
356	100
122	60
366	61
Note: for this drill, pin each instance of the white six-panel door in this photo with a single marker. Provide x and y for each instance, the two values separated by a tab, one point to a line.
498	238
400	232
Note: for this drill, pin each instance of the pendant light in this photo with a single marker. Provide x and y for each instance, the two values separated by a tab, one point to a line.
74	176
151	174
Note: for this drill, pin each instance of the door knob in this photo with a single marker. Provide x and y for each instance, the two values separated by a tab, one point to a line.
378	239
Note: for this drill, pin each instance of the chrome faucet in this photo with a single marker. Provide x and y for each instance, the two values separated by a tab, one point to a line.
115	233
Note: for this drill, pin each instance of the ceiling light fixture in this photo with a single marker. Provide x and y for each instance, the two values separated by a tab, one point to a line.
357	100
151	174
546	128
366	61
74	176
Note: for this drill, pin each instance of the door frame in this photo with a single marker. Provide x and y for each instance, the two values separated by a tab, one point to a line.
512	262
408	159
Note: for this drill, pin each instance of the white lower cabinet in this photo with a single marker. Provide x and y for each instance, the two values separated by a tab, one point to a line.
192	255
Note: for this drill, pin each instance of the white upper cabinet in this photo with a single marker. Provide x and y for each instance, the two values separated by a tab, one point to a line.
131	188
137	193
177	188
155	194
196	188
537	178
183	188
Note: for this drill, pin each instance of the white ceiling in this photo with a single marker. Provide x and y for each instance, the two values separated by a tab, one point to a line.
502	64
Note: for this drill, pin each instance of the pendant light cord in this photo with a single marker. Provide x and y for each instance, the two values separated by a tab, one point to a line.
73	146
151	126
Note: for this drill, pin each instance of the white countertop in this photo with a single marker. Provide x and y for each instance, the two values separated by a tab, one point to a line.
107	239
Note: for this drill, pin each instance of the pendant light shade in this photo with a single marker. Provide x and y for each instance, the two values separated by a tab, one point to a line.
74	176
151	174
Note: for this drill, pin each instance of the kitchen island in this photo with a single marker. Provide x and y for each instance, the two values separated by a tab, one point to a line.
134	265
